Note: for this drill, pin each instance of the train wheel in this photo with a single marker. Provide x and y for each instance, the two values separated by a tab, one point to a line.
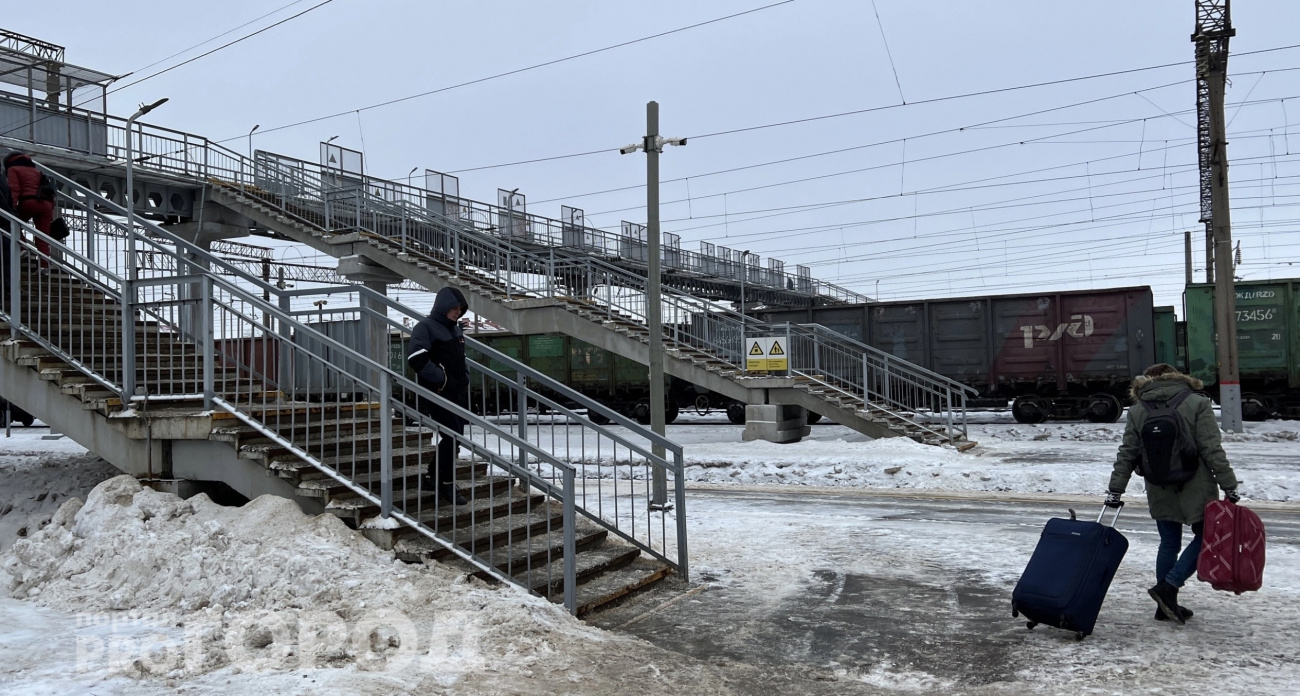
671	413
598	418
641	412
28	419
1103	408
813	417
1029	410
1254	408
736	413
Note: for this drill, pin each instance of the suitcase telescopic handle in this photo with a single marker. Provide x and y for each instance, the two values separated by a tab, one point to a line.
1114	519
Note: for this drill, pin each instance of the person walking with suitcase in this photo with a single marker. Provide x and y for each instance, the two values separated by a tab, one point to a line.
1173	441
437	355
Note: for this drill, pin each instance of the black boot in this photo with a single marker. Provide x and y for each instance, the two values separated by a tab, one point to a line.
450	494
1187	614
1166	597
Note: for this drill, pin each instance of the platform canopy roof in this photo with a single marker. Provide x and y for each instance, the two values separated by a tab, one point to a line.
29	63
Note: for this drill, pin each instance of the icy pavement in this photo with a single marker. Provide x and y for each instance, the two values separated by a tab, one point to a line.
839	592
836	565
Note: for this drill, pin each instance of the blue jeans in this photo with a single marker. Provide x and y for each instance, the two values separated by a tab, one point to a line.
1170	566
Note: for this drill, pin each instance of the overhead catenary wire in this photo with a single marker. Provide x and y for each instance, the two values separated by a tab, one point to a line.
517	71
222	47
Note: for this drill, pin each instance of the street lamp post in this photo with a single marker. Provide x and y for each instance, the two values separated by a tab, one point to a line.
128	295
410	174
653	144
332	139
250	140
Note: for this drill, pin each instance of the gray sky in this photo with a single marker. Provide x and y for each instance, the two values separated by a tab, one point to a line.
1058	200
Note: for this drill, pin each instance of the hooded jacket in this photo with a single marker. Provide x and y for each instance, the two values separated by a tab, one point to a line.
1183	503
437	349
24	178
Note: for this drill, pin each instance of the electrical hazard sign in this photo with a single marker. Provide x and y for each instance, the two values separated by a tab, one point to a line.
767	354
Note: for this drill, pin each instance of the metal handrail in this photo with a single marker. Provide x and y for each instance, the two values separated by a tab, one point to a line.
475	217
558	265
156	237
910	367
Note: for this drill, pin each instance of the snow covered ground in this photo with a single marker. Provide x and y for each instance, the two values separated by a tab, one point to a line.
1054	458
140	592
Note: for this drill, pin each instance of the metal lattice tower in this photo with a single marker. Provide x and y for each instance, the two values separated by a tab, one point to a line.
1213	29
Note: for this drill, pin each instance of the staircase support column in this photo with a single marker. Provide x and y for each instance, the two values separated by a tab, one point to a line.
779	423
374	328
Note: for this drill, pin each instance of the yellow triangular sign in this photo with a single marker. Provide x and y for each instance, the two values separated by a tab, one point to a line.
776	349
756	350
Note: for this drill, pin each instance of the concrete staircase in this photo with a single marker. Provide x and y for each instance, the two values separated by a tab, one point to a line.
512	527
436	252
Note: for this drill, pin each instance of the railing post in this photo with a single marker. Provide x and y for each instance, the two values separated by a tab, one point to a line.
521	408
128	336
679	491
385	445
570	546
948	406
455	248
284	372
886	377
209	349
15	267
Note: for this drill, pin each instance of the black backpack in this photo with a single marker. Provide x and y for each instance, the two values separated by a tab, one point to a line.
1169	454
47	189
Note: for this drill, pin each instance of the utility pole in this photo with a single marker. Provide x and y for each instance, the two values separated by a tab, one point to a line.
1213	30
653	144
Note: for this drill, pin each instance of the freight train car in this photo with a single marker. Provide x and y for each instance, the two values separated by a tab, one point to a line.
611	379
1268	345
1058	355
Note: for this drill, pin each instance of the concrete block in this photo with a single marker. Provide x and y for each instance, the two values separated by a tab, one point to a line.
780	423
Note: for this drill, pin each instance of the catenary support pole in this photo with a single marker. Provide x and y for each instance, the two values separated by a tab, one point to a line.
654	306
1225	293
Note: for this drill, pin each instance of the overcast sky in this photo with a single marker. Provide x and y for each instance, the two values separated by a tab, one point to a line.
1060	195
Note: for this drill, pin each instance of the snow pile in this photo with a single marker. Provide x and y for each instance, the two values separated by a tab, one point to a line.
39	476
266	588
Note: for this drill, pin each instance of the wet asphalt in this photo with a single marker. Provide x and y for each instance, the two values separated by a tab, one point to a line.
836	618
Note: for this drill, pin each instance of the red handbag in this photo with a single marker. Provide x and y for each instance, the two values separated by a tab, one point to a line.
1232	548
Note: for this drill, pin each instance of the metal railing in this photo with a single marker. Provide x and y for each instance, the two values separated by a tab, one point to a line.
880	381
490	243
203	336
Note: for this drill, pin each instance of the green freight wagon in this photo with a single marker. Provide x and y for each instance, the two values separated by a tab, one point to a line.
615	381
1268	345
1170	348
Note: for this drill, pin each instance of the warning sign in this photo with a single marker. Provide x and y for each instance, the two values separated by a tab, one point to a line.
767	354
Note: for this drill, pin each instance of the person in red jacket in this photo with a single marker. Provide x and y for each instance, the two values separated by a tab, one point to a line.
25	187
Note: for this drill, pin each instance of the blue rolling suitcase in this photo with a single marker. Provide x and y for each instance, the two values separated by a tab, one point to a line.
1068	575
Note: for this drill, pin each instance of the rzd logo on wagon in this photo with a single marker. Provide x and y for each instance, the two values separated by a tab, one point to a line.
1079	326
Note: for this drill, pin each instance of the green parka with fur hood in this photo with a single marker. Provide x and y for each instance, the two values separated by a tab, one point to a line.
1183	503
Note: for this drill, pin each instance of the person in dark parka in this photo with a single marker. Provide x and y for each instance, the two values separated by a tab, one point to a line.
1176	505
437	355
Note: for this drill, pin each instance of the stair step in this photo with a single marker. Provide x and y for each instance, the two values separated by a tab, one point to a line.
539	520
548	580
613	586
540	549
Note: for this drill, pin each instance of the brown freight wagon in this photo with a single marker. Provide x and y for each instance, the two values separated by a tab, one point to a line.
1064	355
